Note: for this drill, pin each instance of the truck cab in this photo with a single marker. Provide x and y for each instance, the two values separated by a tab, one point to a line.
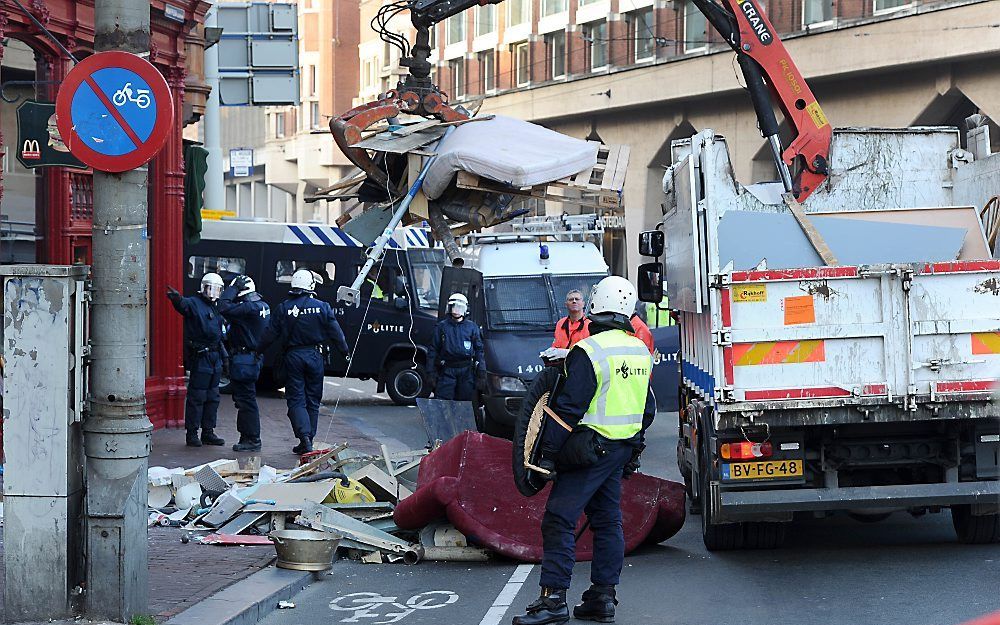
517	283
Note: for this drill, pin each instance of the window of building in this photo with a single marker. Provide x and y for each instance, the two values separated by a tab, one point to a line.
314	117
551	7
518	12
279	125
888	5
312	80
596	34
457	67
486	19
586	2
200	265
555	49
455	29
816	11
695	27
522	65
284	269
432	37
642	32
487	70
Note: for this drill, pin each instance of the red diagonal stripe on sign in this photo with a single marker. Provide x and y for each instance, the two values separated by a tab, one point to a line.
114	111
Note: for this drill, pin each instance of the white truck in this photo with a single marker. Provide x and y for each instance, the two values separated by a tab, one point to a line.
862	386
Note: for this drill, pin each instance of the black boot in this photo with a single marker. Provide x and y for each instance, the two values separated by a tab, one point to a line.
598	604
208	437
192	439
305	445
247	445
549	609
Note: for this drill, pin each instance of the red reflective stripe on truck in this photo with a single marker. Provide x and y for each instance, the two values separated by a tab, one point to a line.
965	386
798	393
795	274
962	266
727	309
727	363
874	389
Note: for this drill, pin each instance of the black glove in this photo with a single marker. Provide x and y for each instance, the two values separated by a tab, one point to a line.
481	381
241	282
172	294
548	465
633	463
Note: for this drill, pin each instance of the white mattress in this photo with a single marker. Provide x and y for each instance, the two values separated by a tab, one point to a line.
508	150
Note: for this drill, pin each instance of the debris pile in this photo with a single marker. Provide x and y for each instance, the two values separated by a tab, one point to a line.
335	491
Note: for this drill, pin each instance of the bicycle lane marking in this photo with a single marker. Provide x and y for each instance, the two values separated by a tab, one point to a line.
372	605
507	595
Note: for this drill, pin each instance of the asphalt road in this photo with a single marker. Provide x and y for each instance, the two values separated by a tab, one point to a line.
904	570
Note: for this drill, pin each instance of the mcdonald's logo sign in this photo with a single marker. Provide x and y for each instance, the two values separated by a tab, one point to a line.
30	150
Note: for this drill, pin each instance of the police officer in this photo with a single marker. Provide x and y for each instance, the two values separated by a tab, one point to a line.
607	401
248	317
456	354
203	334
305	325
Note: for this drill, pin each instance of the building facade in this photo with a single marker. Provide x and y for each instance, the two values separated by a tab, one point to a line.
294	153
47	212
646	72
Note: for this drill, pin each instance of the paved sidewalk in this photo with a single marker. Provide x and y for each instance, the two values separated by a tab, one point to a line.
181	575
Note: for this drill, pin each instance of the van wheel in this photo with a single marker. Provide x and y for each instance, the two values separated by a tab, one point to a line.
974	529
405	383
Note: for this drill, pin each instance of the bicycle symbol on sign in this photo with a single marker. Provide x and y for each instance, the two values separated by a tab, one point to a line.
124	95
372	605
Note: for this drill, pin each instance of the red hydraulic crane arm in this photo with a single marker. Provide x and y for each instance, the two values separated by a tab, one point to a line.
770	72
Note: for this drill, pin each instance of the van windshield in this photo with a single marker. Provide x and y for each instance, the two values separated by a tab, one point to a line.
531	302
426	267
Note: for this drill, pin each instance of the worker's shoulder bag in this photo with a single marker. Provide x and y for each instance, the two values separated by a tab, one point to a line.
530	426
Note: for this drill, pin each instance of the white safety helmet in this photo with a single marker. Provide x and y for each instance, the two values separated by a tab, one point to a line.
458	304
613	294
248	286
211	286
304	280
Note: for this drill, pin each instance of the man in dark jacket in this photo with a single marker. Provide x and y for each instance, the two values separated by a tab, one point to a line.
248	316
607	404
305	325
455	356
203	333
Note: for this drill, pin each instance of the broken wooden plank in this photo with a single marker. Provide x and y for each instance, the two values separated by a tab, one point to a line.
815	238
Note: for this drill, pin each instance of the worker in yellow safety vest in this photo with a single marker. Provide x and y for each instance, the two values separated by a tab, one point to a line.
658	313
593	441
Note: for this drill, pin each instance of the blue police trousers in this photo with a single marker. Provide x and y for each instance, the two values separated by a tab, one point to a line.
244	369
304	389
202	404
596	490
458	383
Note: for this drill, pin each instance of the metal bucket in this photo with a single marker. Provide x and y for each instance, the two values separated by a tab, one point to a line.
304	550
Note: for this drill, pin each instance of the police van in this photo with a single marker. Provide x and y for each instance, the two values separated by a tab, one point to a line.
387	333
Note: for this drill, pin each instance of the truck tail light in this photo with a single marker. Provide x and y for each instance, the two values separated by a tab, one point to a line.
745	450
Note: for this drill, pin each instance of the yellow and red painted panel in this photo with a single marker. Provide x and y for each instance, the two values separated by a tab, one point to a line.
778	352
986	343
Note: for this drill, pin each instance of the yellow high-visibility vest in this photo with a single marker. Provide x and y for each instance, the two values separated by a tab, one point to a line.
623	366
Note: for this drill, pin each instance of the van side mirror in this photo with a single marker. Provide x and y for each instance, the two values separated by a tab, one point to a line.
650	286
651	243
399	287
401	303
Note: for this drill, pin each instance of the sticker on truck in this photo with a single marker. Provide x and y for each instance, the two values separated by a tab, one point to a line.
779	352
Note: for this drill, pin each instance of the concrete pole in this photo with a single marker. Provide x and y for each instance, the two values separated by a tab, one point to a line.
117	430
215	190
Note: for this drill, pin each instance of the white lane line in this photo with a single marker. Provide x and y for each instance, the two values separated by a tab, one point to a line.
507	595
354	390
331	383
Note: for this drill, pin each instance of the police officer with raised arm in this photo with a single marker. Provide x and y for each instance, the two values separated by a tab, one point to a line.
455	354
607	401
248	316
203	334
305	325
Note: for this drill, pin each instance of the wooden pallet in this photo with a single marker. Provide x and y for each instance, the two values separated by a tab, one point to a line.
598	187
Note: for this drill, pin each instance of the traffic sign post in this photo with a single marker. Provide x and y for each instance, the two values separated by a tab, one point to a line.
114	111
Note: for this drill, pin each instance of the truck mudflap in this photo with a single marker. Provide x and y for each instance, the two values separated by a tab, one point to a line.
731	504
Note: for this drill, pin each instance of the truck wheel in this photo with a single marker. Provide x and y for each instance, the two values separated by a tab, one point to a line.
405	384
721	537
763	535
975	529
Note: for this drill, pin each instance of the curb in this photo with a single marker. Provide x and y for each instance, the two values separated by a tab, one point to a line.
248	601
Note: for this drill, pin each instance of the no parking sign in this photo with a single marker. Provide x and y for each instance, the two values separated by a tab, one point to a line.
114	111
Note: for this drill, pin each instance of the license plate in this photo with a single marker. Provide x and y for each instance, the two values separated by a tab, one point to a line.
770	470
